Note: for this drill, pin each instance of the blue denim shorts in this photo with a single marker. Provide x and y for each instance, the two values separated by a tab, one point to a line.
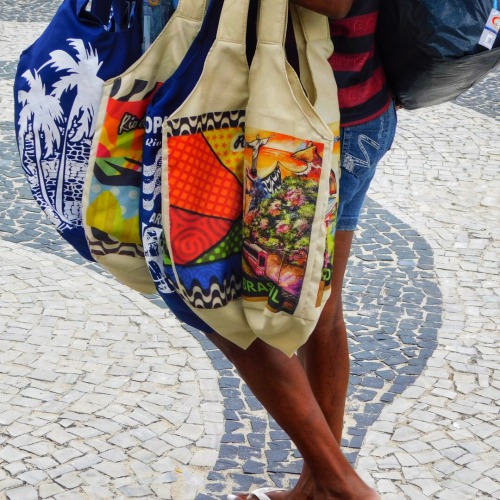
362	147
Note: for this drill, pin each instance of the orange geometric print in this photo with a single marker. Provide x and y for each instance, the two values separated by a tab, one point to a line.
199	182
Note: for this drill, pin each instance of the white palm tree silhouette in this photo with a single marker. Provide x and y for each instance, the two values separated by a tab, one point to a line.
81	75
43	112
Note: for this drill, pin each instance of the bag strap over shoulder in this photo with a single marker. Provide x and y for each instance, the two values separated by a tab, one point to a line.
125	13
191	12
315	26
192	9
300	42
272	22
101	9
81	4
233	21
322	88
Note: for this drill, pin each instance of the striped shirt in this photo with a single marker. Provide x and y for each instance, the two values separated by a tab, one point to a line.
363	90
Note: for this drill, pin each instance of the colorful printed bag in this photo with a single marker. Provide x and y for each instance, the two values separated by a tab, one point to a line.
57	90
272	282
165	102
291	175
202	183
113	183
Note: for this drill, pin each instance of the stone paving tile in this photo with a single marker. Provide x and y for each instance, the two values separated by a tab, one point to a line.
395	307
454	205
69	430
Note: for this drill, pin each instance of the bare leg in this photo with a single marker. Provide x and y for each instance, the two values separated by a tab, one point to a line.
281	385
326	353
325	356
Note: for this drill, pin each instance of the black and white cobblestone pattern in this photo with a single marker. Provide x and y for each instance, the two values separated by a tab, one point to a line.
393	300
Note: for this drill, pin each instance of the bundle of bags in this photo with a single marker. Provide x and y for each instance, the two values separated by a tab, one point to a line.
183	171
204	169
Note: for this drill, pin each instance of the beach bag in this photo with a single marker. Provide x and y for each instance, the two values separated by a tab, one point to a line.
291	177
209	178
165	101
57	90
111	195
431	50
201	179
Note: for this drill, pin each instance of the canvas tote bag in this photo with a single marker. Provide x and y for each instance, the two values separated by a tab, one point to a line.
291	177
202	183
57	89
166	101
113	183
203	228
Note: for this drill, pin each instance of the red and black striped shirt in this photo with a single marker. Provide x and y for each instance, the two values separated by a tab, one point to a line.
363	90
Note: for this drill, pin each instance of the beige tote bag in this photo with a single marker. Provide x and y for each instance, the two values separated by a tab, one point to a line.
202	182
214	183
291	176
111	197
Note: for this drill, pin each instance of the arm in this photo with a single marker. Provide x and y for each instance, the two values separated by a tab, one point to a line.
336	9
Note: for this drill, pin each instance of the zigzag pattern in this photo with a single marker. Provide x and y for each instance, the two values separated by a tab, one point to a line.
209	121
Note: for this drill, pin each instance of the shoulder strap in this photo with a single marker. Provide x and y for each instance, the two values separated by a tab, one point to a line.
233	21
101	9
271	25
318	79
300	42
192	9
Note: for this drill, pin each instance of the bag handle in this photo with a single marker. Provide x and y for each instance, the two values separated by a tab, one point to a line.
315	26
301	45
126	13
318	80
192	9
233	21
101	9
81	4
187	10
272	22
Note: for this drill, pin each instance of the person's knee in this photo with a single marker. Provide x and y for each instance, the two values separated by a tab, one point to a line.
331	326
225	346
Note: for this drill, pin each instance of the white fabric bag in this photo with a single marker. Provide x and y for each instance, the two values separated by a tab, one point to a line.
291	176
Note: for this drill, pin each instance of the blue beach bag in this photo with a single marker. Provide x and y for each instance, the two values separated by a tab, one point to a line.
57	91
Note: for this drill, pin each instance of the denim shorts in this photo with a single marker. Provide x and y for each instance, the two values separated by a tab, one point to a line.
362	147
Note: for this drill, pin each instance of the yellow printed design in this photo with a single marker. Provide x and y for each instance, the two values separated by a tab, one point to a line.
114	198
225	143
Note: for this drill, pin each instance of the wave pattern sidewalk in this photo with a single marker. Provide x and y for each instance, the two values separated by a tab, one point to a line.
96	398
441	438
106	395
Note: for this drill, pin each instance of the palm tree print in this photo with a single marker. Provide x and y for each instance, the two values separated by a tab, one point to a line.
39	119
53	115
81	77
